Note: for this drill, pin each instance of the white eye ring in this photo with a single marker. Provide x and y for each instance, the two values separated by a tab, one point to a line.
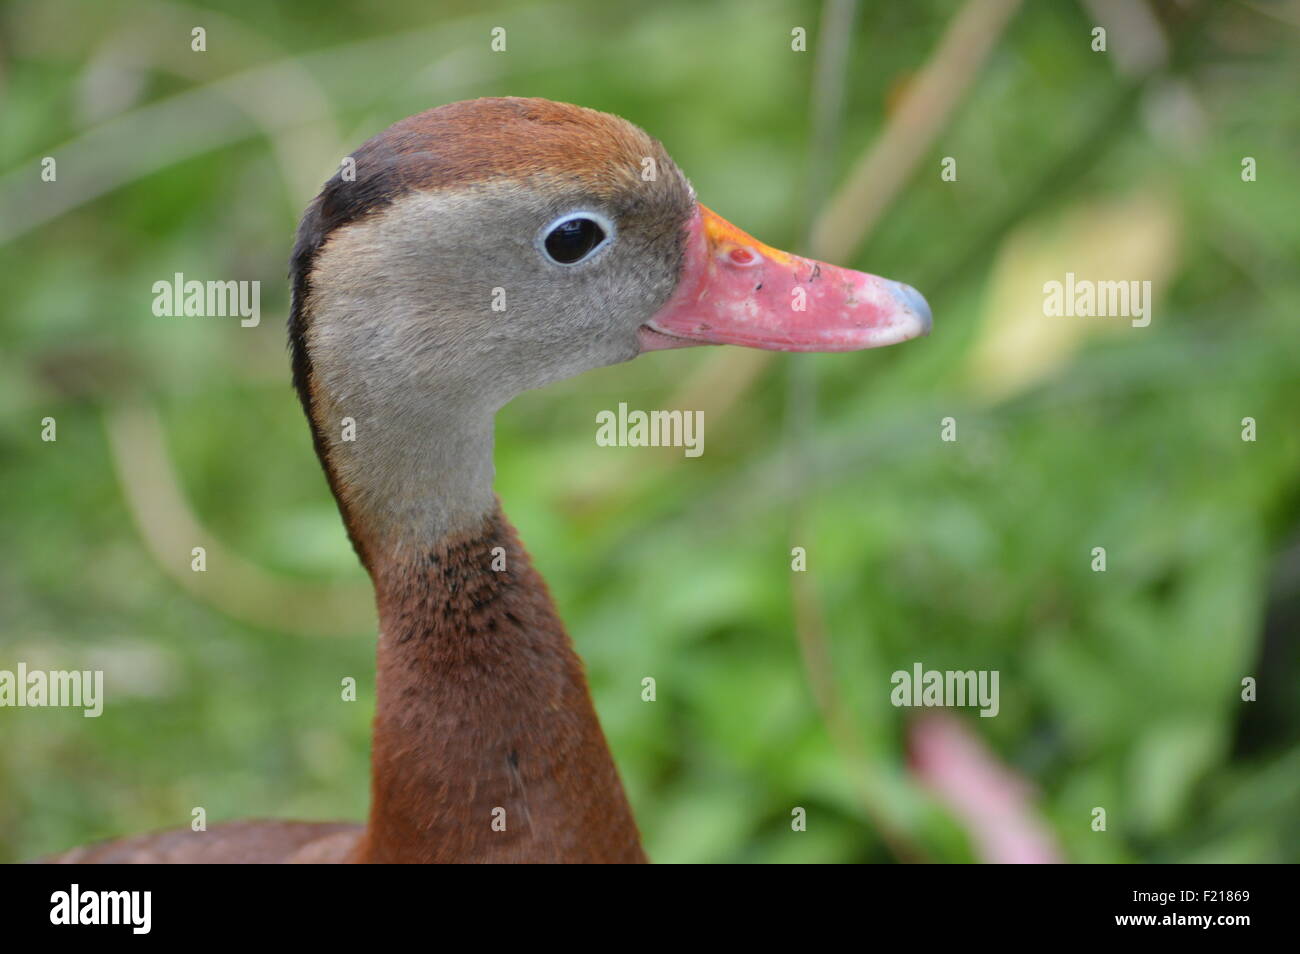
601	221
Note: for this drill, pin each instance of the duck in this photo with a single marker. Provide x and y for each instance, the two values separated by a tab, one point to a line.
462	256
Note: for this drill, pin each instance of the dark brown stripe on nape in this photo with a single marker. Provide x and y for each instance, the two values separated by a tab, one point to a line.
339	203
381	175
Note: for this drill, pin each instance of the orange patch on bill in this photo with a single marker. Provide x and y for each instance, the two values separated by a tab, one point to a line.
726	239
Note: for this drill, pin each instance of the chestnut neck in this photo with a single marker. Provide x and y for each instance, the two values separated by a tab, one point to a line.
486	745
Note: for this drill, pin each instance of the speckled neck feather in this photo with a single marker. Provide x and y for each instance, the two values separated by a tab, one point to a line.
482	708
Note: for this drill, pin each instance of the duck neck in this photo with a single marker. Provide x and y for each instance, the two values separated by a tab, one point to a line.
486	744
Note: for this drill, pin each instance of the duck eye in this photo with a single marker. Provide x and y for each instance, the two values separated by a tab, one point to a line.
574	239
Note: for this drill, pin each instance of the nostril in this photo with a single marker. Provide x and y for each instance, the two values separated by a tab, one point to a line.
742	256
913	301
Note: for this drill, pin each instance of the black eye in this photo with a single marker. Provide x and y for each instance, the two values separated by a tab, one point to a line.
573	240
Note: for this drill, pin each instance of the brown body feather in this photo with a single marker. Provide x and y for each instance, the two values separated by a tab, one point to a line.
241	842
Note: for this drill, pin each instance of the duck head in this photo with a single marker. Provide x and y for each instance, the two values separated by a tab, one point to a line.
484	248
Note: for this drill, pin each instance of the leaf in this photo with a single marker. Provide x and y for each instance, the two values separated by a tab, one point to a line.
1118	239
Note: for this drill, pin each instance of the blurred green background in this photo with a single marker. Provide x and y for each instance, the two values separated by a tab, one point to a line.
1119	690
